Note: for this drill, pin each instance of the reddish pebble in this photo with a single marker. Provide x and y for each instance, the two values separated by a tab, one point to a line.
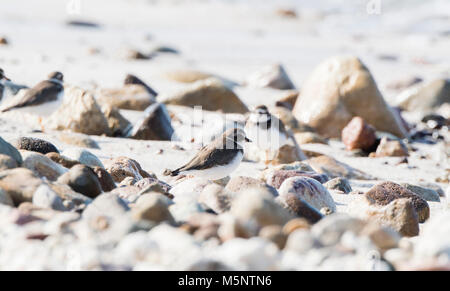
358	135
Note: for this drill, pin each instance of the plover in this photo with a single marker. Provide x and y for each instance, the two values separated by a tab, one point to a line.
42	100
217	159
8	88
266	131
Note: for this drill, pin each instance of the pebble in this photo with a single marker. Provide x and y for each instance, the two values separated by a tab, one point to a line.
273	76
105	179
45	197
391	148
35	145
20	184
340	184
335	169
155	125
299	207
7	149
82	179
118	125
79	140
121	167
7	162
62	160
153	207
309	190
424	193
83	156
130	97
276	178
357	134
240	183
42	166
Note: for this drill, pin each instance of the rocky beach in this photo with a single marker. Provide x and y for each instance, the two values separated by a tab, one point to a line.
363	91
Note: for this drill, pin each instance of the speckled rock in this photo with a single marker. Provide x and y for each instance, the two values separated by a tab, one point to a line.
240	183
211	94
308	190
400	215
62	160
334	169
82	179
424	193
340	184
6	162
299	207
391	148
7	149
339	89
79	113
35	145
154	207
105	179
357	134
130	96
20	184
83	156
276	178
384	193
79	140
121	167
42	166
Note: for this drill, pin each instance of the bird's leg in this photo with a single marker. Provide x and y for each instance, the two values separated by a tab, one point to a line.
266	161
40	124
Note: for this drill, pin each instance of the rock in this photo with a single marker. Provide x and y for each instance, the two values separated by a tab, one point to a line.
187	76
153	207
4	41
425	97
79	140
339	89
288	13
391	148
273	76
35	145
240	183
384	238
79	113
299	207
288	101
118	124
424	193
7	149
132	54
330	229
274	233
301	241
7	162
308	190
45	197
42	166
357	134
434	240
5	199
155	125
105	179
152	184
20	184
128	193
340	184
133	80
400	215
288	154
211	95
334	169
216	198
131	97
434	187
121	167
83	157
309	137
83	24
256	209
185	207
294	224
276	178
384	193
70	198
82	179
186	186
295	166
62	160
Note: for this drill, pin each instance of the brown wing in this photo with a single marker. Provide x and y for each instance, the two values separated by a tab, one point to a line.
45	91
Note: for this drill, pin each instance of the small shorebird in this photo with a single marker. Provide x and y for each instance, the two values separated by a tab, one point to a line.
217	159
267	131
42	100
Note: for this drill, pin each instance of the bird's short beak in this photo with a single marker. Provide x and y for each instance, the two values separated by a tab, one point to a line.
247	140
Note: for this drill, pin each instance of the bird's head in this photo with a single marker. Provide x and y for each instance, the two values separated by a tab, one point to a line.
2	75
58	76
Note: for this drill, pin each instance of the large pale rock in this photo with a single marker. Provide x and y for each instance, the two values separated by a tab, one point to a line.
384	193
42	166
7	149
20	184
339	89
334	169
131	97
308	190
79	113
273	76
211	95
118	124
425	97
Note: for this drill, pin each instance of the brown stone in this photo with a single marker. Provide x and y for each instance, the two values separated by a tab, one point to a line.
391	148
358	135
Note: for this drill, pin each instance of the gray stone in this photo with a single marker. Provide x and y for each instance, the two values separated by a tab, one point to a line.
82	179
45	197
424	193
7	149
340	184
